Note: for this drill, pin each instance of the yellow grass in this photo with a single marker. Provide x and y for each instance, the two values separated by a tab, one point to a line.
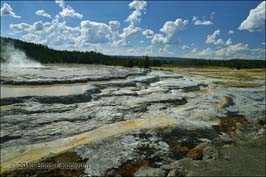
239	84
218	72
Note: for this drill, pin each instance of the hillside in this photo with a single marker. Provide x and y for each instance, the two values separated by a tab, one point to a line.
44	54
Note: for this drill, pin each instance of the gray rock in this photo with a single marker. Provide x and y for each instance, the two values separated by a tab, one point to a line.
116	151
146	79
210	153
172	173
148	171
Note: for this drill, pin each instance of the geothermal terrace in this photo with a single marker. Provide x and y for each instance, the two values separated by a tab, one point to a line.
133	121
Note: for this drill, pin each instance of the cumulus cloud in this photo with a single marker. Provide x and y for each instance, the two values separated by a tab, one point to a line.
194	50
203	22
39	26
7	10
231	32
219	42
159	38
212	38
255	20
24	27
114	27
31	37
42	13
134	20
18	28
68	12
184	47
212	15
228	42
237	47
61	3
134	17
165	50
239	50
94	32
169	30
127	33
148	33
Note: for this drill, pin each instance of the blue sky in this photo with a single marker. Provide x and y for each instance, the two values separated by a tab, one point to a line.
197	29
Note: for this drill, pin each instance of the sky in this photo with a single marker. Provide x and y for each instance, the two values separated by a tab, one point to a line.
194	29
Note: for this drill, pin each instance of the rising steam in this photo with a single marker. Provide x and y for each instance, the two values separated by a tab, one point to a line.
12	57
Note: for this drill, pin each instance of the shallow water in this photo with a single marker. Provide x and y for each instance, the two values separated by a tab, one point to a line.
44	90
58	80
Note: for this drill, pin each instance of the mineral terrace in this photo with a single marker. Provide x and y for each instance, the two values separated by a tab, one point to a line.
130	122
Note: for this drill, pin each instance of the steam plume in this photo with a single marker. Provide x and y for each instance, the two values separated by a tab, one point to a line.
12	57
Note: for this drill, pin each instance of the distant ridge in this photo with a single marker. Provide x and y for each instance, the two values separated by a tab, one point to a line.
44	54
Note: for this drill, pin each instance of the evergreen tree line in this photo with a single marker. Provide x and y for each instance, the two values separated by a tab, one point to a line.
43	54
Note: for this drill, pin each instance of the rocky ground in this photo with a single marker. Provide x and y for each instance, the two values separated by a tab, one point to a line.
132	122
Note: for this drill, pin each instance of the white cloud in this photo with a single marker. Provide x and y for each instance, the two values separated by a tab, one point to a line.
169	29
114	27
39	26
127	33
204	22
212	38
135	17
24	27
228	42
194	18
184	47
6	10
231	32
240	51
43	13
206	52
138	5
219	42
194	50
94	32
47	33
31	37
165	50
59	34
18	28
148	33
255	20
237	47
212	15
61	3
68	12
159	38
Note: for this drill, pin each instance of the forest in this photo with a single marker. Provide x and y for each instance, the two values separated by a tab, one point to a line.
46	55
